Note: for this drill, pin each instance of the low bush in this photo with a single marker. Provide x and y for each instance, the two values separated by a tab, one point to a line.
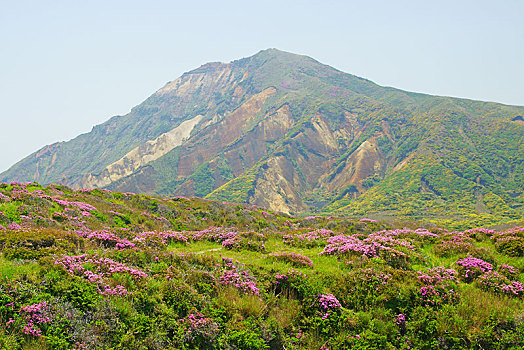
294	259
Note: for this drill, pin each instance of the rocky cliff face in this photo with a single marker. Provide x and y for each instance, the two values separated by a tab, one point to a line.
141	155
286	132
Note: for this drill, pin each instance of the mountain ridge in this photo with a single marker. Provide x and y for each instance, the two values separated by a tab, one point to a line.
288	132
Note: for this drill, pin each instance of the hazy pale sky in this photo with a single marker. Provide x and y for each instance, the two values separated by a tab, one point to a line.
68	65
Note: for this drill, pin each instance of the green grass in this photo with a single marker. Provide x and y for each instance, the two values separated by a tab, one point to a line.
13	271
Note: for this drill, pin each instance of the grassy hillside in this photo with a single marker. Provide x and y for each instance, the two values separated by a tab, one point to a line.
99	269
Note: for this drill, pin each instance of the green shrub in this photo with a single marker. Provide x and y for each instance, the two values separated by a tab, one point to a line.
245	336
34	244
511	246
294	259
81	294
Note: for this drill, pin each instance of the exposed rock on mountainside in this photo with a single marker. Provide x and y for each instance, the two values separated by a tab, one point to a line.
289	133
142	155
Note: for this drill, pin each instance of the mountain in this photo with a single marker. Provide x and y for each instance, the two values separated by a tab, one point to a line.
288	133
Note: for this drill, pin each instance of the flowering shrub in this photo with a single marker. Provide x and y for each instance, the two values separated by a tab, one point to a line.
437	275
82	266
470	268
200	331
507	270
309	239
106	239
35	314
4	198
454	243
293	258
362	287
158	239
438	286
213	234
510	242
479	232
80	205
294	282
252	241
328	303
408	233
400	320
498	283
236	276
376	245
368	220
14	226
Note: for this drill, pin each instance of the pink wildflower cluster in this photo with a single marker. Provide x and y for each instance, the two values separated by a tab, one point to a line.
292	274
213	234
293	258
14	226
367	220
379	244
199	329
515	231
454	243
507	270
4	198
230	238
479	230
235	275
161	237
470	268
71	217
35	314
309	239
328	303
103	269
80	205
498	283
389	239
437	275
438	286
107	239
253	241
153	216
408	233
400	320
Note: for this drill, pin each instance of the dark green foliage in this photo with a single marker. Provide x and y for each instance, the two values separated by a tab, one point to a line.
514	247
246	336
203	181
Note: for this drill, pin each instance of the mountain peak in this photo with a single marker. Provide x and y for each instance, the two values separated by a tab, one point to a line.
287	132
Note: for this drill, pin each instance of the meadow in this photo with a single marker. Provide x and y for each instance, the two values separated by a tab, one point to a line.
95	269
